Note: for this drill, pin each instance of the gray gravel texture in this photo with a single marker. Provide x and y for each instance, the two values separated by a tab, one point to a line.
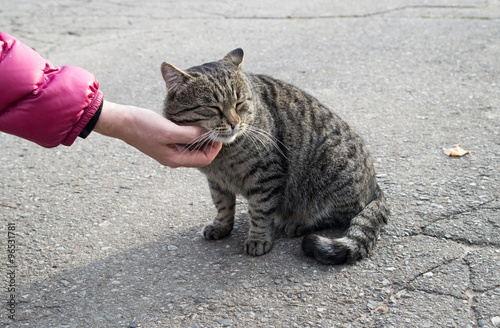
107	237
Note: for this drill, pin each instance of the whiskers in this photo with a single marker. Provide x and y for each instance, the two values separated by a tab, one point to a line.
260	139
264	138
198	143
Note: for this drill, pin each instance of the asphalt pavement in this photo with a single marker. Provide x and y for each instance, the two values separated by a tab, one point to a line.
107	237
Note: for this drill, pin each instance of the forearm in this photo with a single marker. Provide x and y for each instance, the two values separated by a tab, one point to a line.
115	121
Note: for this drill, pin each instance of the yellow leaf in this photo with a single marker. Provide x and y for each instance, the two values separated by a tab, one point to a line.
456	151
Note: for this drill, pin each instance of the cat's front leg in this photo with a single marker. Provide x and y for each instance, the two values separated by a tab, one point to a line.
261	233
223	223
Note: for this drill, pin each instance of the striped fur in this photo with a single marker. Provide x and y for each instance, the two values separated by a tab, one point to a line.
299	165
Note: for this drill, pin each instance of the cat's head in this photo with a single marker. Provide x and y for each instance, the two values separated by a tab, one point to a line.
215	96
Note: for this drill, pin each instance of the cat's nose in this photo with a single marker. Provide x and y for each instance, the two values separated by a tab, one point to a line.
233	123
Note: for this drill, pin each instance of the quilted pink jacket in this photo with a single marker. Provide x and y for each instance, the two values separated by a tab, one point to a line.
45	104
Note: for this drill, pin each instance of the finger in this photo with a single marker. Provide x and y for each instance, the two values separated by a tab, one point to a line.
184	134
199	157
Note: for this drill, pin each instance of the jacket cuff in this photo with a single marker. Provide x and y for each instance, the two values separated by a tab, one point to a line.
85	119
91	124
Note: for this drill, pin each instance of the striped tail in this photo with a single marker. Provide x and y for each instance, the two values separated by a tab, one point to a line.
358	240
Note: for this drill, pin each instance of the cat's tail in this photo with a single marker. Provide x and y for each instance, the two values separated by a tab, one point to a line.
358	240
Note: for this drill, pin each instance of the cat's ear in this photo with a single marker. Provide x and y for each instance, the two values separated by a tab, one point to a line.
235	57
173	76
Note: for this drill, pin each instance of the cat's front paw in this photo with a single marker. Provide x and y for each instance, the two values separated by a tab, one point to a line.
216	231
258	247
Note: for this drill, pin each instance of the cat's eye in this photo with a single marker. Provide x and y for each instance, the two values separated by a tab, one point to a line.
240	104
214	108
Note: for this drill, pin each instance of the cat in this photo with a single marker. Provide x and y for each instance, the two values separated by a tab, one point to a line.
299	165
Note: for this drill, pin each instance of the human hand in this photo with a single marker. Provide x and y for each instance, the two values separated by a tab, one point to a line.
156	136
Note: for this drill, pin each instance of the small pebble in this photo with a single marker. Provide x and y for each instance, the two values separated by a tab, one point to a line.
132	325
109	318
226	322
64	282
372	305
104	224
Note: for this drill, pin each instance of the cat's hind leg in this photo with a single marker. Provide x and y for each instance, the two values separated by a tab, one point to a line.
302	224
297	229
358	240
223	223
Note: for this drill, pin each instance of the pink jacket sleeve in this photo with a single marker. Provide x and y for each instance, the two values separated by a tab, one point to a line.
42	103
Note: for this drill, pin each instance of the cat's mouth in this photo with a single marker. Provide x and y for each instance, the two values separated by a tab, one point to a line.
228	135
226	139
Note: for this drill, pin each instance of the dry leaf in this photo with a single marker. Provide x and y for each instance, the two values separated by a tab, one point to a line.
382	309
456	151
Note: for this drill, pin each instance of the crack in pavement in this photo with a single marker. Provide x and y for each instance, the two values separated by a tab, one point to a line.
473	294
471	209
376	13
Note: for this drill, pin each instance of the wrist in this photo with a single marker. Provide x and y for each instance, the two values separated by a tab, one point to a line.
114	121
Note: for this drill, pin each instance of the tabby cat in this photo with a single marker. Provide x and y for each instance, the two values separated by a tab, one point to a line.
299	165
